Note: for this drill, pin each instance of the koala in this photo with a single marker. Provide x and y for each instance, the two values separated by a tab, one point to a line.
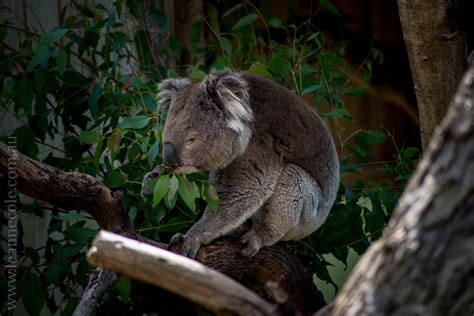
271	157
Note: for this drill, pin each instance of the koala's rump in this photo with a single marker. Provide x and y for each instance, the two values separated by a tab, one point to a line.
299	136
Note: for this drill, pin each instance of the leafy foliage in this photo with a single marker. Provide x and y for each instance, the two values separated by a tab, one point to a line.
79	106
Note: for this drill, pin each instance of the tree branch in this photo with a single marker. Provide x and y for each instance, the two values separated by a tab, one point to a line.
437	52
177	274
423	265
78	191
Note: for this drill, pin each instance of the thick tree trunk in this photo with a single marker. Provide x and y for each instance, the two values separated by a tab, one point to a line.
424	264
436	47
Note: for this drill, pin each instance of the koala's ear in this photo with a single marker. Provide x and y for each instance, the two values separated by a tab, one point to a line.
168	90
231	92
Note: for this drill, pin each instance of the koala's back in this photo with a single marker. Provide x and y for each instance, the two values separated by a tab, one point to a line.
298	134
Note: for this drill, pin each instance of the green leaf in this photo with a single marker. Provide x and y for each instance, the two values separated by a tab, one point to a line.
61	61
361	141
244	21
312	88
187	193
56	273
135	122
259	70
76	79
81	235
160	189
54	35
170	201
196	74
330	7
145	100
114	179
376	137
409	152
339	113
233	9
89	137
69	217
119	41
93	101
40	56
72	250
113	143
226	46
124	287
173	186
9	88
98	152
279	66
132	213
153	152
24	95
33	294
276	23
213	18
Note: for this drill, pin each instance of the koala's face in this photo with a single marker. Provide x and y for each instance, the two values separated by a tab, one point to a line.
208	124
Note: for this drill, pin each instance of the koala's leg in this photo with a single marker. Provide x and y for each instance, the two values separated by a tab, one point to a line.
292	212
243	187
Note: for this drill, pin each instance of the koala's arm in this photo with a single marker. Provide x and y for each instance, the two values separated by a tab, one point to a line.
243	187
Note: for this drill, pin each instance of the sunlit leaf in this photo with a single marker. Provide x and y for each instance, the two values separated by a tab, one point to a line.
160	189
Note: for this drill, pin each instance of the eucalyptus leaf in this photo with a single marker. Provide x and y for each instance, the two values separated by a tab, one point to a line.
89	137
54	35
33	294
160	189
244	21
135	122
61	61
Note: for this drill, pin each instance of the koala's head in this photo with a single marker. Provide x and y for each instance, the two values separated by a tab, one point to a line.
208	124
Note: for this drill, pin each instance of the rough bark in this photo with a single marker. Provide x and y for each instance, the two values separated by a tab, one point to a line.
424	264
436	47
67	190
77	191
100	282
178	274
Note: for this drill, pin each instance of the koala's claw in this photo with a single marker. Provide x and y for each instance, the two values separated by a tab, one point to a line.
146	190
253	244
190	245
175	240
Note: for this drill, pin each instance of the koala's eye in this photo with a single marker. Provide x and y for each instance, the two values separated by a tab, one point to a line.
190	141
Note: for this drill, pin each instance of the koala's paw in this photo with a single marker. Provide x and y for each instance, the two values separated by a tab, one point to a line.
253	243
147	191
190	244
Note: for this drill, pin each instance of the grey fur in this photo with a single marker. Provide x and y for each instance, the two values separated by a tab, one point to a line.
275	159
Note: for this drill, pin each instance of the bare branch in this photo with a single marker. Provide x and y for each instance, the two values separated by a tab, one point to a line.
177	274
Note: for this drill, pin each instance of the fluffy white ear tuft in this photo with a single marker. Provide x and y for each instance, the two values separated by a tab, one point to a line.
231	93
168	89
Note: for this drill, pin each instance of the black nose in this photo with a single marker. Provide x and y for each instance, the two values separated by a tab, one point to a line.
170	157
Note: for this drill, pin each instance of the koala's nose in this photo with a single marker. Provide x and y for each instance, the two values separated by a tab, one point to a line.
169	155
